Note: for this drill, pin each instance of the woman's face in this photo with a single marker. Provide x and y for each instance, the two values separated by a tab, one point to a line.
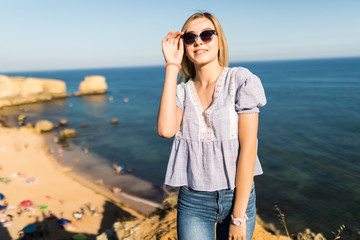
201	53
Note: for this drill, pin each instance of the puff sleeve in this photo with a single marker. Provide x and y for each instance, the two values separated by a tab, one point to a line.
250	94
180	95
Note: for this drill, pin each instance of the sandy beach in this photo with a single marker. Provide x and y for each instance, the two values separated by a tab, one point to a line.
28	172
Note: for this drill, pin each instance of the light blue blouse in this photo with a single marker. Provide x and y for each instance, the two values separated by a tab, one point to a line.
205	150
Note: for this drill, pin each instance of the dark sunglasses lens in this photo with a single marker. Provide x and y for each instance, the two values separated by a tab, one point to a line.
189	38
206	36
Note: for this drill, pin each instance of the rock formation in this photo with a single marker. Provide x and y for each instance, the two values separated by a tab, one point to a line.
21	119
92	85
68	133
63	122
20	90
161	225
114	121
44	126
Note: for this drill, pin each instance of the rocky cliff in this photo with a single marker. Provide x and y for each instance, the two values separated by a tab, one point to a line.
20	90
161	225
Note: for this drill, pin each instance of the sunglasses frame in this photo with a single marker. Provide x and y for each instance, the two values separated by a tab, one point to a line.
199	35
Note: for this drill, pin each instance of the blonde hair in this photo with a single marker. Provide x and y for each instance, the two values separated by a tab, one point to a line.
188	68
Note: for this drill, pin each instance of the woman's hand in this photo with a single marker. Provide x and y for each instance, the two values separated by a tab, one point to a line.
237	232
173	47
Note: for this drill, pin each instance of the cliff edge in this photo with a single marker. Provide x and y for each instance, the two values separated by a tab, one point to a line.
161	225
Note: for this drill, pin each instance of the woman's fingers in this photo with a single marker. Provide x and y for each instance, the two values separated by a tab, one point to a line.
177	34
171	35
168	36
175	37
172	46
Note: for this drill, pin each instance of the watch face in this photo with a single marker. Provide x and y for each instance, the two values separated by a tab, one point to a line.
236	222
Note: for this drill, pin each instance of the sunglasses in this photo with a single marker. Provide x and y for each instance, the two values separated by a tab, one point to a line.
206	36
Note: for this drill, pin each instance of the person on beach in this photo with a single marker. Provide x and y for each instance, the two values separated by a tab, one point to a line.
117	168
211	114
60	154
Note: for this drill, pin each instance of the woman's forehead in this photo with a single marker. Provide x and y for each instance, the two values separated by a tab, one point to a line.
199	24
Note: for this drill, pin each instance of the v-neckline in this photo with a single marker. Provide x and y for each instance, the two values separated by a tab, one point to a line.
218	84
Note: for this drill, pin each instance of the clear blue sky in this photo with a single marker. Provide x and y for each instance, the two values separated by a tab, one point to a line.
70	34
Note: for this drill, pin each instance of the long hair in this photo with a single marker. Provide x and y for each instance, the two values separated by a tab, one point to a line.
188	68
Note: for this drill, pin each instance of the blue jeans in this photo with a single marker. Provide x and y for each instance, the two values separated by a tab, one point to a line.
198	211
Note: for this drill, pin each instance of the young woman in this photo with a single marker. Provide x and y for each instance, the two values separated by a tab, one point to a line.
211	114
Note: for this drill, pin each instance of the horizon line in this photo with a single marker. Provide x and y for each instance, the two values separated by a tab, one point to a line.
159	65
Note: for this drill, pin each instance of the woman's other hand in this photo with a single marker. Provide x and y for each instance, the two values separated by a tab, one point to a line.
173	47
237	232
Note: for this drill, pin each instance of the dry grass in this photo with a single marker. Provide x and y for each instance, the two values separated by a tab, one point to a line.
307	234
341	228
282	220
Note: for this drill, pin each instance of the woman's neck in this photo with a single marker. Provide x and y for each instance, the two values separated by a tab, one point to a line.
208	73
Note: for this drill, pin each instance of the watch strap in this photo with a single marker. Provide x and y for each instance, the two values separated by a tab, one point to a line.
239	221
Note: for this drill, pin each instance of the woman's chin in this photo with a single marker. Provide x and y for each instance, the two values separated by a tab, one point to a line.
202	61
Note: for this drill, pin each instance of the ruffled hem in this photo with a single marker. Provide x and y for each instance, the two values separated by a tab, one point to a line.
204	166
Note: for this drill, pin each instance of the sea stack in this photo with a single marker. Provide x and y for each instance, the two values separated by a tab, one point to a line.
92	85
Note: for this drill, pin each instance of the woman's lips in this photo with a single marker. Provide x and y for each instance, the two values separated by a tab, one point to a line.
200	51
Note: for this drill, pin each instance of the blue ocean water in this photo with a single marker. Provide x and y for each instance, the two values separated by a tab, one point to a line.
308	134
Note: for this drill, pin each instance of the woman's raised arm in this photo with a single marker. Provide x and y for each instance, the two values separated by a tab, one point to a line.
169	116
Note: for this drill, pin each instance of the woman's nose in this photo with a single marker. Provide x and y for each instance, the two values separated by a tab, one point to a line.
198	40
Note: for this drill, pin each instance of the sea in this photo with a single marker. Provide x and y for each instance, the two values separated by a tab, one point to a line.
309	137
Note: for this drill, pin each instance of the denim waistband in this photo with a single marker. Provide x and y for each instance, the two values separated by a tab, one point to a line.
214	193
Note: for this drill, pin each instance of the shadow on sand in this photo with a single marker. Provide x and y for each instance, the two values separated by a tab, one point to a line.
48	228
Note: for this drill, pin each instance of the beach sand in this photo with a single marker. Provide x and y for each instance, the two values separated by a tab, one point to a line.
33	175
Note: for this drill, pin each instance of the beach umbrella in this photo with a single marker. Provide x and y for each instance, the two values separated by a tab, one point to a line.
63	221
29	228
79	236
26	203
2	196
2	207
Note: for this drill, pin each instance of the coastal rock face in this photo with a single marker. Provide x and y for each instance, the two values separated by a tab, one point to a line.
44	126
21	119
159	226
55	88
63	122
20	90
93	85
68	133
